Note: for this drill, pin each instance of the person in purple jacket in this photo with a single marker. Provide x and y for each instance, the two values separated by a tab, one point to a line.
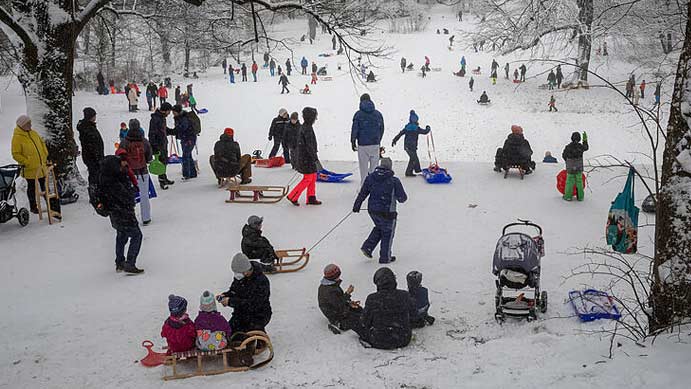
213	330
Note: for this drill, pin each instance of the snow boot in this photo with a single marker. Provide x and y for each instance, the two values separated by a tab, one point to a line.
294	202
131	269
392	259
163	185
146	222
366	253
119	267
312	200
429	319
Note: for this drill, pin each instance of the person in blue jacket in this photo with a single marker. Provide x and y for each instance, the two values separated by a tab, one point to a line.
384	190
303	65
366	134
411	131
188	138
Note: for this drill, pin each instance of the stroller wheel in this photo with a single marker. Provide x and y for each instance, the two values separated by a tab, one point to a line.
23	217
543	302
531	315
499	316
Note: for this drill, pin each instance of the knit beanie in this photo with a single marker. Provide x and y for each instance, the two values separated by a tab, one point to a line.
240	264
332	272
413	117
365	96
386	163
576	137
229	131
282	112
255	221
177	305
516	129
89	113
22	121
207	303
123	125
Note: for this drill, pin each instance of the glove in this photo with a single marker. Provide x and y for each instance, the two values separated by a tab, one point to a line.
356	210
428	128
270	137
585	136
354	146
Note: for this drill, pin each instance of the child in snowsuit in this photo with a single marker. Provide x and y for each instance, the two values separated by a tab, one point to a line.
343	313
213	330
306	90
123	131
178	329
256	246
552	104
549	158
484	99
411	131
573	156
420	297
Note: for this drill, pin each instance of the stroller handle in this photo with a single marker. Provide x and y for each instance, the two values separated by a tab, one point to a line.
11	166
521	222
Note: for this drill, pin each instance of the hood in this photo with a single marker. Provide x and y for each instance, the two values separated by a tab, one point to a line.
85	126
256	269
382	173
135	134
110	166
575	137
367	106
385	279
178	322
226	138
309	115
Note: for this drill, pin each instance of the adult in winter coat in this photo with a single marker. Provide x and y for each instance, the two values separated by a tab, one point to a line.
188	138
213	330
411	131
516	151
224	65
289	66
178	101
243	71
333	42
231	74
463	63
657	94
266	60
384	191
276	131
387	313
303	65
314	67
283	80
523	70
30	151
336	305
116	199
272	67
307	160
162	93
138	156
642	88
403	64
151	94
158	139
573	156
290	137
248	295
256	246
366	134
559	76
133	99
255	69
228	161
92	148
551	80
506	71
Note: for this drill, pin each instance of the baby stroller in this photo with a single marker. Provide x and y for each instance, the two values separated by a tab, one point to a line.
517	266
8	202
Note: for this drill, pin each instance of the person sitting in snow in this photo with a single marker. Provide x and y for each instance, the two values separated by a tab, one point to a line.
248	295
213	330
516	152
573	156
371	77
256	246
336	305
411	131
306	90
549	158
484	99
178	329
420	297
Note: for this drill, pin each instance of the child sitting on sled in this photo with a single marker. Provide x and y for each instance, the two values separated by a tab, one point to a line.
420	297
306	90
411	131
178	329
256	246
213	330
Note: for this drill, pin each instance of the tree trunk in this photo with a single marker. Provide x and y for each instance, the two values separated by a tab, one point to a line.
86	33
671	289
585	37
187	58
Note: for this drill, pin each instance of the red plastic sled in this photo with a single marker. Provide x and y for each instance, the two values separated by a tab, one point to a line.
517	81
152	358
561	183
270	162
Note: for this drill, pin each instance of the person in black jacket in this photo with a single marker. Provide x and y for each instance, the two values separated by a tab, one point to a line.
516	152
387	313
256	246
289	66
411	131
420	297
290	137
573	156
116	199
138	156
276	130
248	295
336	305
243	71
158	138
92	148
188	139
307	160
228	161
283	80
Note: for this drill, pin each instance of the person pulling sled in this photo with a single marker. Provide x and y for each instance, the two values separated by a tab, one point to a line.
411	131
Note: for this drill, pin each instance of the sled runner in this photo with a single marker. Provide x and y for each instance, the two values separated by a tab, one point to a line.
238	356
592	304
270	162
328	176
521	172
260	194
291	260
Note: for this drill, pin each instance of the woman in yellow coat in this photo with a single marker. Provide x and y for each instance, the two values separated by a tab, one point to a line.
30	151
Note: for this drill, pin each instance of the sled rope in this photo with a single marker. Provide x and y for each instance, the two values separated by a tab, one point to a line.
293	179
331	230
431	151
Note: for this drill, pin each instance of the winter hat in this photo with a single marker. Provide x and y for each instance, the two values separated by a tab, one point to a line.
123	124
255	220
576	137
282	112
177	108
229	131
240	264
332	272
177	305
134	125
365	96
166	107
548	153
22	121
207	303
89	113
294	115
309	115
414	279
386	163
384	278
516	129
413	117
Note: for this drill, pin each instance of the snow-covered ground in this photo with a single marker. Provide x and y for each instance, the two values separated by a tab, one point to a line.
71	322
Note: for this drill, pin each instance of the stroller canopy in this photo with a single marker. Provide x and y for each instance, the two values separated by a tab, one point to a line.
516	251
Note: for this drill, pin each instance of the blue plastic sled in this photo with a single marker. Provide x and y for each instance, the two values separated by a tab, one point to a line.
152	192
439	176
174	159
202	110
592	304
327	176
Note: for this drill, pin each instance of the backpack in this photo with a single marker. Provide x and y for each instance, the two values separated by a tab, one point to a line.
136	156
196	123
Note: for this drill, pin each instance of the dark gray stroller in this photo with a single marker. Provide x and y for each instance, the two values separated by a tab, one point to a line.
517	266
8	201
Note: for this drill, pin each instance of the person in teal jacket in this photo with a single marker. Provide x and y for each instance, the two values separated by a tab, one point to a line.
411	131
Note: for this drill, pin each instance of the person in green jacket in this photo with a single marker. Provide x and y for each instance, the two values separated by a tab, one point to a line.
573	155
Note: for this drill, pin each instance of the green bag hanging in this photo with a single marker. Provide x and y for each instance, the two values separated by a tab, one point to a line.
622	221
156	167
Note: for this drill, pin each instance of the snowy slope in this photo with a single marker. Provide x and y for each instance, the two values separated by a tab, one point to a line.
71	322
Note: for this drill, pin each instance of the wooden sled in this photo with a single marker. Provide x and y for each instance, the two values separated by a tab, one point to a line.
326	78
264	194
49	192
291	260
517	167
234	358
